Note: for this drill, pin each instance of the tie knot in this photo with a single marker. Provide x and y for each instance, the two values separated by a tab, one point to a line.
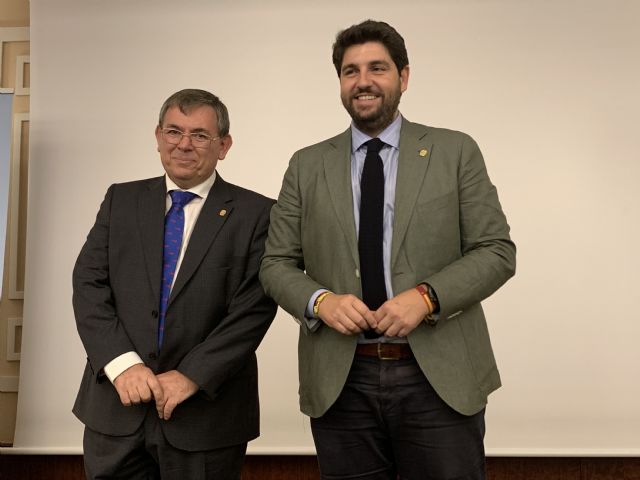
180	198
374	146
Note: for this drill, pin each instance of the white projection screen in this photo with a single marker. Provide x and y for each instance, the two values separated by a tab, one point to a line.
549	89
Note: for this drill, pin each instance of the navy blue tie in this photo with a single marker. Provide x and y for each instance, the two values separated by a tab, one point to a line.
173	231
374	292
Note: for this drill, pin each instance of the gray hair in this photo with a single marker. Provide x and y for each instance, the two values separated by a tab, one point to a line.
190	99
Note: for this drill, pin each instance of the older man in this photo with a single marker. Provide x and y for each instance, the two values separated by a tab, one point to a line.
170	310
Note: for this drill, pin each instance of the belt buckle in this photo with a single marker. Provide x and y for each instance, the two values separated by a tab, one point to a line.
382	356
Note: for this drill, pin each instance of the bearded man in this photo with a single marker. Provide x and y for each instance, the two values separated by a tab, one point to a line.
383	242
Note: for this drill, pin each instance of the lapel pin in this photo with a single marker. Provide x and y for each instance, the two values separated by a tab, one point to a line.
423	152
222	212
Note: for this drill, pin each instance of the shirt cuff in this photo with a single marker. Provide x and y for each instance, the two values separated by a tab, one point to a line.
119	364
311	321
309	311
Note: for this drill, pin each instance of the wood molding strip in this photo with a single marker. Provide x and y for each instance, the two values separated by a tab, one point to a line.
18	120
12	34
12	326
9	384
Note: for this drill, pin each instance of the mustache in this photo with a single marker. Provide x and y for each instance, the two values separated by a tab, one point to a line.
365	90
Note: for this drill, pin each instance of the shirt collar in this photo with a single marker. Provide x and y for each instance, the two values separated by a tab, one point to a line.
390	135
202	190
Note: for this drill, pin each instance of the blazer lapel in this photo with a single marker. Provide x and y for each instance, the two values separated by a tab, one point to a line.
415	154
337	168
209	223
151	211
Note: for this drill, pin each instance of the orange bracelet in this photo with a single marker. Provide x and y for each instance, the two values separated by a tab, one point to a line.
422	290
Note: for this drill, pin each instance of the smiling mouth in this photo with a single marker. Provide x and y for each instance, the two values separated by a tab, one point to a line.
366	96
184	163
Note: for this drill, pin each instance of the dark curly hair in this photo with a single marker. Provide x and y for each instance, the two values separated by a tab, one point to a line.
371	31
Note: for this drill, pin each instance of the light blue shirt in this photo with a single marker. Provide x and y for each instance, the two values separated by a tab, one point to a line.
389	155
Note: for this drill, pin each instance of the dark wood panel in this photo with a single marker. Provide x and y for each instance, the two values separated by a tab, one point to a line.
41	467
499	468
257	467
611	468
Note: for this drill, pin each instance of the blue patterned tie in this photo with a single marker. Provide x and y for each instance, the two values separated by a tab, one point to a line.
173	230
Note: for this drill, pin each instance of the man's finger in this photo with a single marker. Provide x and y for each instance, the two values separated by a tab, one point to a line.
124	398
356	318
160	409
168	409
349	320
156	389
134	396
371	320
144	392
367	316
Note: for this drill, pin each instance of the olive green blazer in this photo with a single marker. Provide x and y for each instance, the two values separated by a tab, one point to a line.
449	231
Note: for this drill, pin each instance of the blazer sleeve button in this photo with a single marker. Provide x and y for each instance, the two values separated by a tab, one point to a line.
154	313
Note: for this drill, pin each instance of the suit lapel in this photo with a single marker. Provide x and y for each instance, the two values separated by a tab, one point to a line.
415	153
151	211
337	168
209	223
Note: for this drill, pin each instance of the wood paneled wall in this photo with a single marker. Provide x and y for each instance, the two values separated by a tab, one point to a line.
59	467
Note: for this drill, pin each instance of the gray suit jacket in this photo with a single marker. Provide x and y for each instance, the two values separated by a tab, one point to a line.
449	231
217	314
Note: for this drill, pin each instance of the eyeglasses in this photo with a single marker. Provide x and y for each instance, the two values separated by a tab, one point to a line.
198	139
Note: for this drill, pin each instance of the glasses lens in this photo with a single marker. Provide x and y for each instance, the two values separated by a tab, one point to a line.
172	136
200	140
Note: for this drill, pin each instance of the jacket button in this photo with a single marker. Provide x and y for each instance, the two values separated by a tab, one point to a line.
153	356
154	313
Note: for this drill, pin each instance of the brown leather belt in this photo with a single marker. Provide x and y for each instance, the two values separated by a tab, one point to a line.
385	351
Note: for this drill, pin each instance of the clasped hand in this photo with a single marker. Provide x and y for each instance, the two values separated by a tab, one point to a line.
397	317
138	384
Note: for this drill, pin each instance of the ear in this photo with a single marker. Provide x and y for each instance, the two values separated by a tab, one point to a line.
404	78
225	143
158	137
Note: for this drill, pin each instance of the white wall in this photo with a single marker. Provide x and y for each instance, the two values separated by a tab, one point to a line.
548	89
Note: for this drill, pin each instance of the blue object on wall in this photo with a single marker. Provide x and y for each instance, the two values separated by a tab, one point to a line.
6	101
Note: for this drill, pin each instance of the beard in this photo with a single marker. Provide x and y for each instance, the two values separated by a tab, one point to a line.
374	121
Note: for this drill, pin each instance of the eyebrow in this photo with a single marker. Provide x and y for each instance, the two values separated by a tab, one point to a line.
195	130
372	63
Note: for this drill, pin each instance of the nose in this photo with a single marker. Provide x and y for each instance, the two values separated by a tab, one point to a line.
363	80
185	142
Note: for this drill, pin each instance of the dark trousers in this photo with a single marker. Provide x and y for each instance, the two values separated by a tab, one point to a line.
389	423
146	455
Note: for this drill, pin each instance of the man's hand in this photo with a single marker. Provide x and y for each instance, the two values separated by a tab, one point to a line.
137	384
398	316
177	388
346	314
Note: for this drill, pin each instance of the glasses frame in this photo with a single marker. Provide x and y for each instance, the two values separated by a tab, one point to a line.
164	132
